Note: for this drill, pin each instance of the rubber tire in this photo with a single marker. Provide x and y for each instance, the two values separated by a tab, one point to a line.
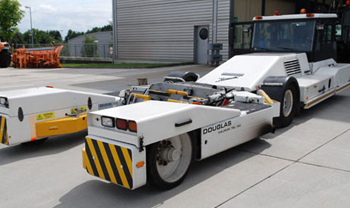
153	177
282	120
186	76
5	59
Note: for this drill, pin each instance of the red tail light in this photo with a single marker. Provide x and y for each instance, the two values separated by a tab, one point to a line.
122	124
125	125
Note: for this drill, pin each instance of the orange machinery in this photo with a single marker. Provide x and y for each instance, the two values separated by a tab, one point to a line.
48	57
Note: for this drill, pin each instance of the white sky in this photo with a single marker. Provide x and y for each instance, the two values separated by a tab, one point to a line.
62	15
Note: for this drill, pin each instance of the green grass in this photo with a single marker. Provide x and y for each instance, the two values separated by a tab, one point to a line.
117	65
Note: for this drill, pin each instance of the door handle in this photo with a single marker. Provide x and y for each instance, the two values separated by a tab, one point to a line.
178	124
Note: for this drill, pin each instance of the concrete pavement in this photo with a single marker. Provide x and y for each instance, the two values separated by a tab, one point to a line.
304	165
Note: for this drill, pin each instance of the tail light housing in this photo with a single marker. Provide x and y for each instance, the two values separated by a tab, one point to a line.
107	122
123	124
132	126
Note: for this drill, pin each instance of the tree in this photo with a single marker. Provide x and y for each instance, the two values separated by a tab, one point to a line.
55	34
99	29
72	34
42	37
89	48
17	38
10	16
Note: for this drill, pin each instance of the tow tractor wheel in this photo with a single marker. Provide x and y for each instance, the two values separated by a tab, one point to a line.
288	106
169	160
5	59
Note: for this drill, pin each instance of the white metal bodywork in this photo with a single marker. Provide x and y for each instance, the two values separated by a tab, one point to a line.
44	104
317	81
221	127
156	119
295	16
249	71
235	131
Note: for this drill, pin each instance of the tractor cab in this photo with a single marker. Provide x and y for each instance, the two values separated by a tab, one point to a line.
313	34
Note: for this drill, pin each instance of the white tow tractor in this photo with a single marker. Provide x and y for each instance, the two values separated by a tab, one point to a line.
294	52
34	114
160	129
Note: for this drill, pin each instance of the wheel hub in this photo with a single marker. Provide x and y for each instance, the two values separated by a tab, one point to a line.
170	155
287	103
173	157
167	153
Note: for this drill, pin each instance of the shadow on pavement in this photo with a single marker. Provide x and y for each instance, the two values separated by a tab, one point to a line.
97	193
53	145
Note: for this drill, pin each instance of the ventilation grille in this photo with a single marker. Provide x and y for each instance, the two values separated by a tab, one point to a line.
292	67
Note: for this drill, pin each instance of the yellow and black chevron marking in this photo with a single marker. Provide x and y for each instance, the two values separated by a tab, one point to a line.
110	162
3	131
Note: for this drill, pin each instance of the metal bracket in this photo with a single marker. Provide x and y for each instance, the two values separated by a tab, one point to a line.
141	148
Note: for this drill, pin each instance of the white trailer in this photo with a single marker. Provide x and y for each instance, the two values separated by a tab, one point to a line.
32	115
160	138
165	126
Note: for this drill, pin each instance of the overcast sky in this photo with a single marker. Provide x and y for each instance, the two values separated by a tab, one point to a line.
62	15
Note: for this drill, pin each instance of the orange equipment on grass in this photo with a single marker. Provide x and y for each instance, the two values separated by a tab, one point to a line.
48	57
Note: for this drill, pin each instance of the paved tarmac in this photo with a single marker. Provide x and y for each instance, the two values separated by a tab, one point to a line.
304	165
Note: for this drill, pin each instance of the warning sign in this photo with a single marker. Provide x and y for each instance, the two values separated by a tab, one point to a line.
76	111
44	116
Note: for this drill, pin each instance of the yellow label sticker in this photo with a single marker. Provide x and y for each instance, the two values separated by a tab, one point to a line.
44	116
76	111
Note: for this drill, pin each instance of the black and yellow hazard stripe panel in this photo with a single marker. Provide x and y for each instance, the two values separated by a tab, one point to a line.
4	139
109	162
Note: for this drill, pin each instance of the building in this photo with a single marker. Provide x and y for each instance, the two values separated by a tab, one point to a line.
180	30
99	49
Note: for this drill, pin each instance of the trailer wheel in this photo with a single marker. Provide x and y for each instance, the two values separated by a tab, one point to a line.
169	161
288	106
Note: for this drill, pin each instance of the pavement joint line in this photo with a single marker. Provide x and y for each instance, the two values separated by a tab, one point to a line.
296	161
327	142
322	166
287	166
259	182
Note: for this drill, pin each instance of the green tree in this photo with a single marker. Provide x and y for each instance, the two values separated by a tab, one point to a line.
72	34
10	16
56	35
89	48
17	38
108	27
99	29
42	37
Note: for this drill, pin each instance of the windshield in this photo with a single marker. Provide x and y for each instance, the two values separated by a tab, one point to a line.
283	36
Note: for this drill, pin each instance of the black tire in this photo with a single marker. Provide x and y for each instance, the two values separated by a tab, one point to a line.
179	76
5	59
163	173
289	106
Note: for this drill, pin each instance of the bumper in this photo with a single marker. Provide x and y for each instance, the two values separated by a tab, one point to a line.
61	126
116	162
